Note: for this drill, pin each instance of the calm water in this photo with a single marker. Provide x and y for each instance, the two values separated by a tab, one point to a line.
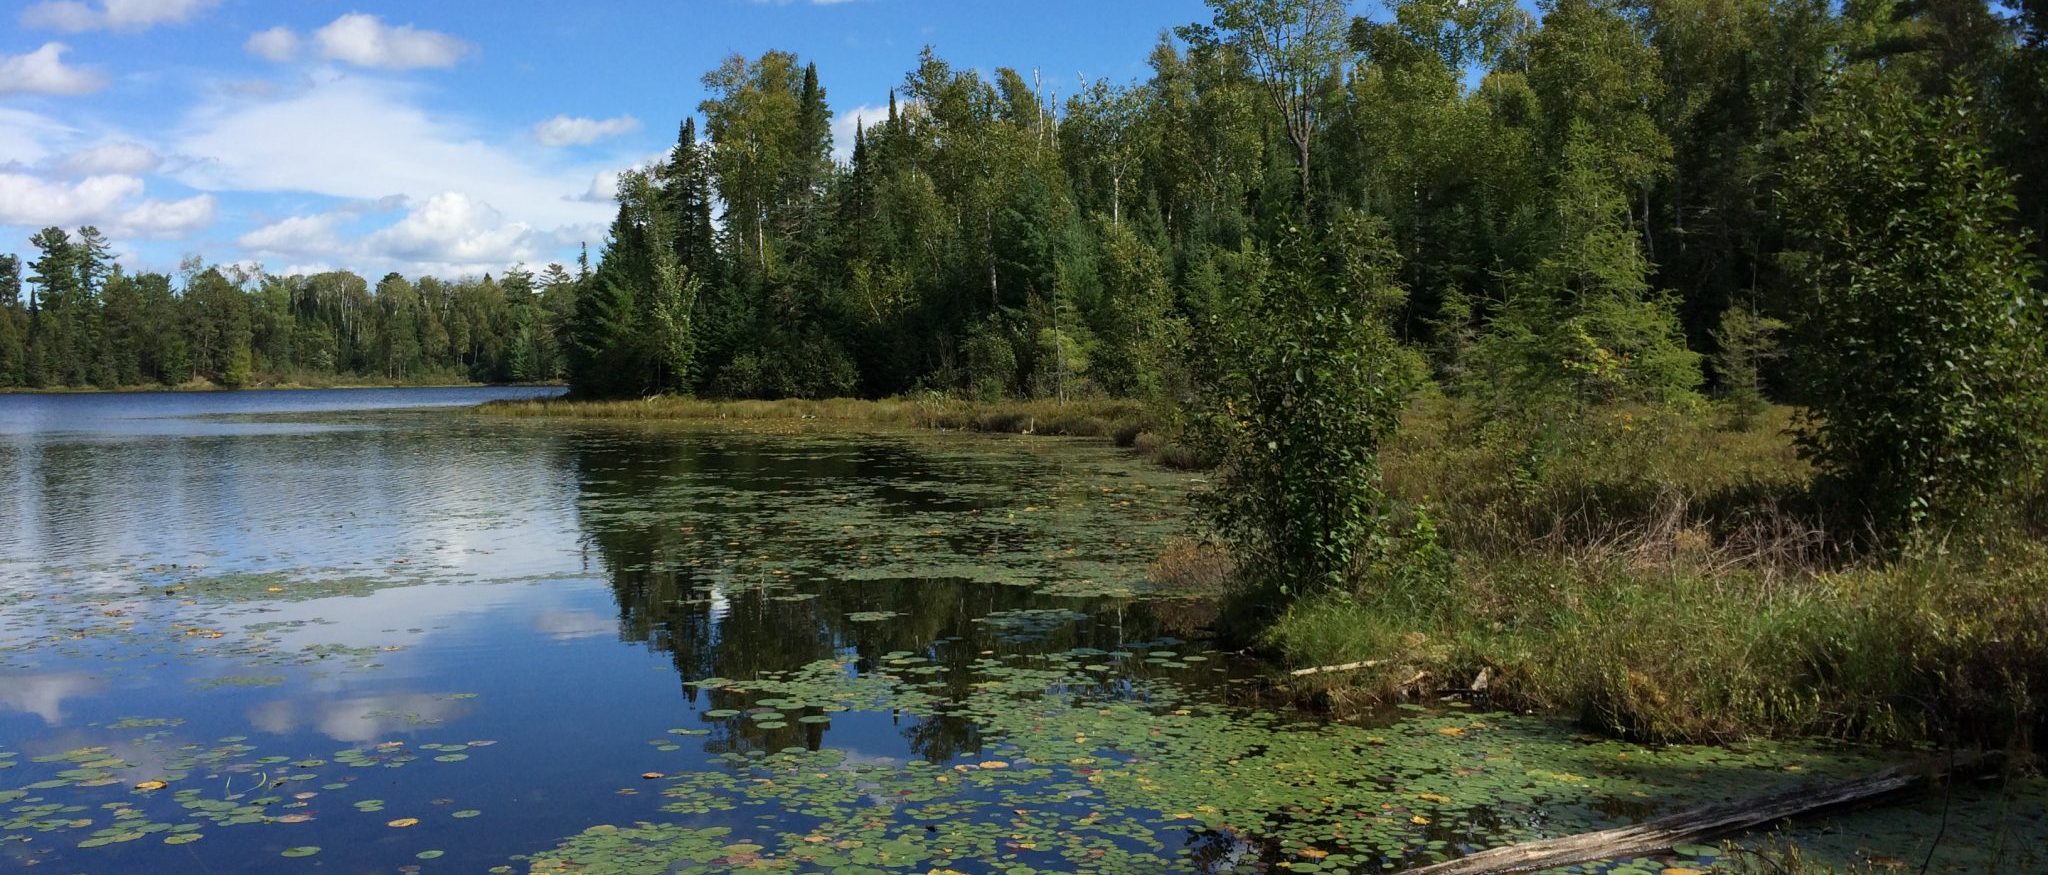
327	631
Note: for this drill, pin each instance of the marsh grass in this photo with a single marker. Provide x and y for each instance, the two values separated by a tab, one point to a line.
1078	418
1665	579
1129	424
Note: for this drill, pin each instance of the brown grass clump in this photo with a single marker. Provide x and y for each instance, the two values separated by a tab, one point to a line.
1193	568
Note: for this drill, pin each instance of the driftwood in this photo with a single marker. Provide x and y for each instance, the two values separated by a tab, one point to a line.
1694	825
1327	669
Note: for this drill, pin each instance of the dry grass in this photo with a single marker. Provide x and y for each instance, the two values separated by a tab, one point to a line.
1193	568
1654	488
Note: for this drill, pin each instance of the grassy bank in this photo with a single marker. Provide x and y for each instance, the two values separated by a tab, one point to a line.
1129	423
1663	578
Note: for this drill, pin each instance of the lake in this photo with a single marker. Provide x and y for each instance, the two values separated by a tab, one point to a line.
370	631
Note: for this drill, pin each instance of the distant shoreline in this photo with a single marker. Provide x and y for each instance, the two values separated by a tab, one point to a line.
208	387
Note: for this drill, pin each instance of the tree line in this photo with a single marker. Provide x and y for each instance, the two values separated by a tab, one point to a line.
82	321
1606	200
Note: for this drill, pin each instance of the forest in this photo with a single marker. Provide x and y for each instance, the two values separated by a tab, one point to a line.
85	322
1611	200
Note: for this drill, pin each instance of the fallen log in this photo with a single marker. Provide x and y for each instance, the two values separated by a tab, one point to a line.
1327	669
1694	825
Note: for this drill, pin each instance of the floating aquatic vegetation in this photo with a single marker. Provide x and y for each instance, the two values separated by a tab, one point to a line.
189	787
1092	782
1026	624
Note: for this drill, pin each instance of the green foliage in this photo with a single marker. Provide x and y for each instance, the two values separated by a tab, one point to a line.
235	373
1744	344
1307	383
1920	347
1582	327
1137	333
989	363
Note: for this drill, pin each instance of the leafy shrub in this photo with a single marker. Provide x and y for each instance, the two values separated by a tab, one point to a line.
1307	382
1921	347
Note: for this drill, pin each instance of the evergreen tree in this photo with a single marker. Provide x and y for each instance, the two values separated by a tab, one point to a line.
13	325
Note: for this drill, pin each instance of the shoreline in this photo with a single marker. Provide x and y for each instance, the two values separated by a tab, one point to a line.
1128	424
209	388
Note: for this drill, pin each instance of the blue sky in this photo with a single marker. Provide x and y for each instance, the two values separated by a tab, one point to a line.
452	137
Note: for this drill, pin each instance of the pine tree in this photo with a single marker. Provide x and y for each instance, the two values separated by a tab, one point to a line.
686	195
610	348
1583	326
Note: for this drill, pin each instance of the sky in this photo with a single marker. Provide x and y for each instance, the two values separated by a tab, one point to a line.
448	138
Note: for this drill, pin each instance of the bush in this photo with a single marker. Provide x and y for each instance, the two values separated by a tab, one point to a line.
1921	349
1307	382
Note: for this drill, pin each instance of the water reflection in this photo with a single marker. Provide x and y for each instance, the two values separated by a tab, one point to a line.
44	694
359	719
705	573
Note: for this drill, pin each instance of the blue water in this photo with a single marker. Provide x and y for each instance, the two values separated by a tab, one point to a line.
192	413
312	572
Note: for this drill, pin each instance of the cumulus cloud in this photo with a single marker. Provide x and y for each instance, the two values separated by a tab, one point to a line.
73	16
452	227
43	71
447	234
365	41
121	158
604	185
169	219
109	201
844	125
357	138
32	201
276	44
563	130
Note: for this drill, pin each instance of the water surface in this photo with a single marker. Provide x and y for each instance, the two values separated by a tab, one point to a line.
330	631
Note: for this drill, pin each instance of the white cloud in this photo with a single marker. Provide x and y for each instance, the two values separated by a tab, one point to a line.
844	125
604	185
366	41
73	16
357	138
447	234
452	227
604	188
32	201
276	44
122	158
43	72
296	236
108	201
563	130
28	138
180	218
